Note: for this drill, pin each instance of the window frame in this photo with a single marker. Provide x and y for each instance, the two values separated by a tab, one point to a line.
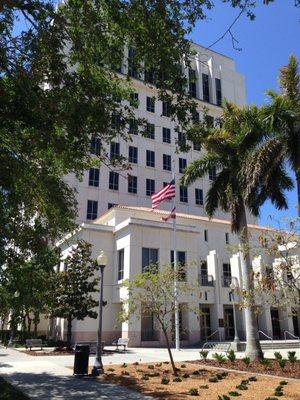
92	210
113	180
150	158
94	176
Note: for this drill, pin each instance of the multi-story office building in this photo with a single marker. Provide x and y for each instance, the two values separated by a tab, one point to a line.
213	78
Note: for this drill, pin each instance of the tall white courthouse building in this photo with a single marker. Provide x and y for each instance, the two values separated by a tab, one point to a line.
115	216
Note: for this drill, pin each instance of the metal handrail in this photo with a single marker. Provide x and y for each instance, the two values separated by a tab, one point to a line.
216	331
268	337
291	334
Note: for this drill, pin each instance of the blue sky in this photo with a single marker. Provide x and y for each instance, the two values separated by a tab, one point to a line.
266	45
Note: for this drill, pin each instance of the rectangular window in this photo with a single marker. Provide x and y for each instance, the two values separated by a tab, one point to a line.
95	146
196	146
183	194
115	121
120	264
182	165
150	187
114	150
166	108
150	158
113	180
226	275
212	174
111	205
151	104
132	64
227	238
133	154
149	257
203	268
94	177
199	197
205	87
133	127
167	162
192	83
218	92
181	263
166	135
150	131
181	138
134	100
205	235
132	184
92	209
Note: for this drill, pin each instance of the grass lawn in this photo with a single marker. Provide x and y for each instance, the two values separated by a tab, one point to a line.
194	381
9	392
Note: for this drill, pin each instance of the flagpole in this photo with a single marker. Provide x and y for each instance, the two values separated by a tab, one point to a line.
177	338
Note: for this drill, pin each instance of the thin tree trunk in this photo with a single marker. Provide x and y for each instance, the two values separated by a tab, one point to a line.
170	352
298	191
69	333
253	348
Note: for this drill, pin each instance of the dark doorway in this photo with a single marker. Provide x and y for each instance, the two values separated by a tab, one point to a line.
275	323
228	323
295	325
205	327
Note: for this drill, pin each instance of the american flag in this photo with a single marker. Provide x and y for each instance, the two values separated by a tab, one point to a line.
166	193
172	215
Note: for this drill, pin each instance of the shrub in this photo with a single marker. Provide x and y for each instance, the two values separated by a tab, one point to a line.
182	366
247	361
265	362
271	398
282	363
279	388
196	372
220	358
278	355
223	397
278	393
203	386
165	381
252	379
292	356
110	369
193	392
245	382
177	379
150	366
158	364
145	378
242	387
204	354
124	365
219	376
231	356
186	375
125	373
213	379
234	394
283	383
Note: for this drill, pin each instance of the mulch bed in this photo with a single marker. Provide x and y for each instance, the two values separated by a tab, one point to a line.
289	371
38	353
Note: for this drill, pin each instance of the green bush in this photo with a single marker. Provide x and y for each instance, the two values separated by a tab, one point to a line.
279	388
252	379
182	366
292	356
186	375
278	355
110	369
246	361
231	356
204	354
203	386
245	382
150	366
135	363
282	363
234	394
213	379
177	379
219	376
223	397
283	383
265	362
196	372
193	392
242	387
278	393
125	373
220	358
165	381
271	398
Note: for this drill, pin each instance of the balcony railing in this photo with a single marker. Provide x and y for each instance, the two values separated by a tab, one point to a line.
226	281
206	280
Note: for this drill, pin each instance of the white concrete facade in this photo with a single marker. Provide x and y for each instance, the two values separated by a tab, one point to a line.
132	229
214	66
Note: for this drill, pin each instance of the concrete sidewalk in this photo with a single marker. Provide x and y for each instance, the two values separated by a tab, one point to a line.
46	380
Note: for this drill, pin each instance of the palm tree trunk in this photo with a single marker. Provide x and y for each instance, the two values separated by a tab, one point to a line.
253	348
298	191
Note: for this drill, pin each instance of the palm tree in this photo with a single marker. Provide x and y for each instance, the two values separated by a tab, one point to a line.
228	149
280	142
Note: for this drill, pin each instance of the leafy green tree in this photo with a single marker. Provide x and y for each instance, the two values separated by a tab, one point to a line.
152	293
72	289
280	134
228	149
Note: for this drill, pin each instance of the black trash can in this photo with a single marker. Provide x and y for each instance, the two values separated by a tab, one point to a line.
81	360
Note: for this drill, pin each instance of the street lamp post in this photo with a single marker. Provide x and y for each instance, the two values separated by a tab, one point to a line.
98	366
236	336
13	324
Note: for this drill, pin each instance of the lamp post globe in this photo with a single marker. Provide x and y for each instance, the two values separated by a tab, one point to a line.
102	259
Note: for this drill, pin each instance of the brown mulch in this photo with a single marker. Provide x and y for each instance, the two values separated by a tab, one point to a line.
289	371
48	353
131	376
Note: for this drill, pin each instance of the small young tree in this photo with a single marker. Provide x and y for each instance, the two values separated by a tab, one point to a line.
72	288
152	292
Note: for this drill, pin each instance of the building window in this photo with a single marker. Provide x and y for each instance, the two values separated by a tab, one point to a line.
212	174
120	264
95	147
150	187
115	121
192	83
183	194
196	146
111	205
205	87
226	275
132	64
150	131
151	104
133	127
113	180
166	108
181	139
199	197
181	263
149	257
94	177
134	100
182	165
218	92
166	135
132	184
167	162
92	209
150	158
114	150
227	238
133	154
205	235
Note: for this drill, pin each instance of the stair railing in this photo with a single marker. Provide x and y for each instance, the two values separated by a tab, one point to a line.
268	337
210	336
285	333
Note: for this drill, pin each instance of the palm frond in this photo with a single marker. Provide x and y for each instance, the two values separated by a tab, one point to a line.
216	196
198	168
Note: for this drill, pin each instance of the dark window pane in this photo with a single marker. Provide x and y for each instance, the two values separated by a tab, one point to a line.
133	127
114	150
205	86
167	162
132	63
94	177
183	194
150	131
149	256
150	158
95	146
199	197
212	174
166	108
113	180
218	92
182	165
121	264
192	83
181	263
132	184
92	209
150	187
150	104
133	154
